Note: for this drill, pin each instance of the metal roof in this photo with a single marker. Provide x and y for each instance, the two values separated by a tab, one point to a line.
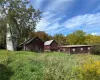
28	41
48	42
74	46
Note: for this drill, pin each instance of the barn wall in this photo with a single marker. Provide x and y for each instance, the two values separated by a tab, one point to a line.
64	49
36	45
47	48
54	46
79	50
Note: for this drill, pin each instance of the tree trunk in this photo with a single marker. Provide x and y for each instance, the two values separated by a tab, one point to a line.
9	41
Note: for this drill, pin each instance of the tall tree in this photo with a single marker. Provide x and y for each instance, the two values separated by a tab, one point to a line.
92	39
19	17
41	34
60	38
77	37
2	34
44	36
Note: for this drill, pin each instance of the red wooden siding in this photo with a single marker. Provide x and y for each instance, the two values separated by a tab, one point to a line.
52	47
36	45
72	50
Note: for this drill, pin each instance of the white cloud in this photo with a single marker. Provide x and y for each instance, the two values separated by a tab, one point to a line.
42	25
57	31
57	5
95	33
45	13
87	20
55	10
53	26
48	23
45	21
52	14
49	15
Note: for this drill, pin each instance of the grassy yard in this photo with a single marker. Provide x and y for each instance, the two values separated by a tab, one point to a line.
42	66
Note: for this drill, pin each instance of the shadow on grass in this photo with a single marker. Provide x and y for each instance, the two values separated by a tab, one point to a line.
5	72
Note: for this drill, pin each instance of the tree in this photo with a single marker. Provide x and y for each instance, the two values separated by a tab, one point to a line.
92	39
2	35
95	48
41	34
77	37
19	18
60	38
44	36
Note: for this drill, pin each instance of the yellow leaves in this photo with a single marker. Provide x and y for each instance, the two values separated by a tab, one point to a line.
92	39
91	69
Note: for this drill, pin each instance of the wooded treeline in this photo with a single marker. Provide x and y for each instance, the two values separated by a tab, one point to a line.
77	37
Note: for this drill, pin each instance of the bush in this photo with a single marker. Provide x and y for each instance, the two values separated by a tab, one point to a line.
90	71
60	68
95	49
27	70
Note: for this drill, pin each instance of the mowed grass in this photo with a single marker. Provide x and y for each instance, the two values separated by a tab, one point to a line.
23	65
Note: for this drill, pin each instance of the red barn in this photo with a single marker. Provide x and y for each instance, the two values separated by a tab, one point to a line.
33	44
51	45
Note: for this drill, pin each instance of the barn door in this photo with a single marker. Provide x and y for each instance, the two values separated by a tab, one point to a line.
37	48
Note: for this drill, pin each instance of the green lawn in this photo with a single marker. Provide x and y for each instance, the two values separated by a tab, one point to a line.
41	66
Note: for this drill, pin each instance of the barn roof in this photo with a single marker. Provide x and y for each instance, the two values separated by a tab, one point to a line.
74	46
48	42
25	41
28	41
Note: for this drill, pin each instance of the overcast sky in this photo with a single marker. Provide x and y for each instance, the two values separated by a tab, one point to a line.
66	16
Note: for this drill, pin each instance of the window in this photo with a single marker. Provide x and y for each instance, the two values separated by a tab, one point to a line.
88	48
73	49
81	49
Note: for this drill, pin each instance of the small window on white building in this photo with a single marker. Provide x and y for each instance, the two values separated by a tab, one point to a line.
88	48
73	49
81	49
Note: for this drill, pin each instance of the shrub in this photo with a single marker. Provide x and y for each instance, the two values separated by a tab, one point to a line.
27	70
60	68
90	71
95	49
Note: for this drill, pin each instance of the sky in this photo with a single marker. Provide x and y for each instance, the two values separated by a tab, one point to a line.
67	16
